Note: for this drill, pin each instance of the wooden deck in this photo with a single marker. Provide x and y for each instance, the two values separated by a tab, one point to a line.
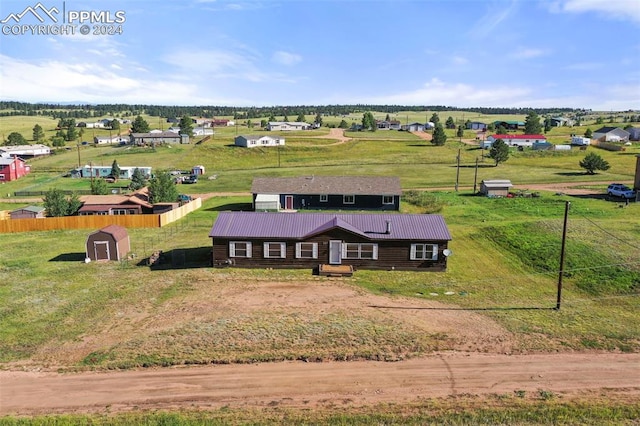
335	270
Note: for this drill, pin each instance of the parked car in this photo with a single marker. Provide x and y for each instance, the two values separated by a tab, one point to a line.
620	190
190	179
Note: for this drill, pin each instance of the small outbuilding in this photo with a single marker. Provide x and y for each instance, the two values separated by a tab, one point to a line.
495	187
108	243
29	212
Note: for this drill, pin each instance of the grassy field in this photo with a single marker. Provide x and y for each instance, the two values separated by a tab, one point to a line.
505	264
544	408
504	267
415	161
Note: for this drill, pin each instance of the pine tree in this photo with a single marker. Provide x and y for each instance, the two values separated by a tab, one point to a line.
499	151
439	138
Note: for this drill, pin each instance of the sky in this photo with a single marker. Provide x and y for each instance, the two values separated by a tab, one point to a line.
474	53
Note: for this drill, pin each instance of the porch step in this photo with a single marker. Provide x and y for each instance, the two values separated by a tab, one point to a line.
335	270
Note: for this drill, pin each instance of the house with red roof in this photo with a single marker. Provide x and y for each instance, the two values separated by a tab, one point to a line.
514	140
414	242
12	168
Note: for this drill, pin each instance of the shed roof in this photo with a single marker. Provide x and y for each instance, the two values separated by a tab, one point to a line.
421	227
32	209
497	183
356	185
118	232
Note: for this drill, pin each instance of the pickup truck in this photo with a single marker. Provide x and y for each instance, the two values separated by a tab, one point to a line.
620	190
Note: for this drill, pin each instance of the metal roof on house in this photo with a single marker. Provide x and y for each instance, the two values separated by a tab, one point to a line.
610	129
247	225
329	185
32	209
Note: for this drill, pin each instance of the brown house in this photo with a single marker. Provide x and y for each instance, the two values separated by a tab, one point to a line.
135	203
310	240
108	243
29	212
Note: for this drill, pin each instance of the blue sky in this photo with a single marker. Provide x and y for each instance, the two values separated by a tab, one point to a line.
526	53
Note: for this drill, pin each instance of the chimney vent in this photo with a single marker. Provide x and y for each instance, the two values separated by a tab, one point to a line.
388	230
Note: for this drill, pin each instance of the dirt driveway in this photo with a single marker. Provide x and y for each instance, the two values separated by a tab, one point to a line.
309	385
481	361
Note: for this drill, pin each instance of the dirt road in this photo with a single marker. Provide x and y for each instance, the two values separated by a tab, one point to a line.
298	384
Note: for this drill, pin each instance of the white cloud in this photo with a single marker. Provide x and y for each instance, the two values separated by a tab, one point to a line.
497	13
459	60
528	53
286	58
438	92
617	9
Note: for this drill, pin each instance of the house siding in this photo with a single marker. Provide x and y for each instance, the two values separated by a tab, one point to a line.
392	254
336	202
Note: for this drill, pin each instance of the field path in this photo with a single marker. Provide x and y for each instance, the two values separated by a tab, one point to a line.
300	384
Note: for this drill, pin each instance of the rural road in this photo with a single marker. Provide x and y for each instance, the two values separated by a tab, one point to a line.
299	384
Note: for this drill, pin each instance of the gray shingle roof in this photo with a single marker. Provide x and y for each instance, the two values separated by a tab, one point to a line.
247	225
330	185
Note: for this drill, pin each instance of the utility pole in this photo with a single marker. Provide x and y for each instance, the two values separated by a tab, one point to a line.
564	239
79	165
475	178
458	170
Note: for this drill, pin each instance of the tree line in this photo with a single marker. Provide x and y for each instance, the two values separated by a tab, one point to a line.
57	111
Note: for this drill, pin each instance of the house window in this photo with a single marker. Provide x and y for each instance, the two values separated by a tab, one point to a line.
239	249
274	250
324	198
359	251
306	250
387	199
1	176
348	199
424	252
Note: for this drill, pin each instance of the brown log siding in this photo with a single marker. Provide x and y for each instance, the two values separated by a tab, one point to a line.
392	254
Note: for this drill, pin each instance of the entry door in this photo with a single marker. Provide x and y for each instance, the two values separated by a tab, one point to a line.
101	249
335	252
288	202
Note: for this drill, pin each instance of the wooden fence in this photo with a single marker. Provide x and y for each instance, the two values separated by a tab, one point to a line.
99	221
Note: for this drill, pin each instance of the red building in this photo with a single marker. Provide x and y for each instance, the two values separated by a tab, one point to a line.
12	168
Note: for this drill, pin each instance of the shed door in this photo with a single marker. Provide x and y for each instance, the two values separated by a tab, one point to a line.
101	250
335	252
288	202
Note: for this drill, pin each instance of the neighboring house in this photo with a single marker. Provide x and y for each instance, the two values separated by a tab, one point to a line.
561	121
152	138
96	125
136	203
222	123
287	125
514	140
173	120
414	127
254	141
509	124
495	187
388	125
108	140
29	212
24	151
12	168
126	172
202	131
109	243
330	192
477	125
307	240
634	133
610	134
